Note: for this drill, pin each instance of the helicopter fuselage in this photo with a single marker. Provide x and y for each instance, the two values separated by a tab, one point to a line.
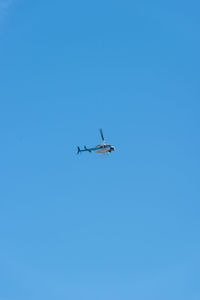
104	148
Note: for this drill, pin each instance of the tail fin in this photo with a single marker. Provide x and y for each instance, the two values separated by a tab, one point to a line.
79	150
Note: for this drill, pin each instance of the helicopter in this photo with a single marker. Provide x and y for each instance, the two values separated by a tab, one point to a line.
102	148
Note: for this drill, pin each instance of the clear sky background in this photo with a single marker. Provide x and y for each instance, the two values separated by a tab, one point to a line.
90	227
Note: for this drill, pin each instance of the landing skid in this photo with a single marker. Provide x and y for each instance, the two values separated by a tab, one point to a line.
105	154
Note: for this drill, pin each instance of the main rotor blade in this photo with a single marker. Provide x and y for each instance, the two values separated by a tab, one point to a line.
101	132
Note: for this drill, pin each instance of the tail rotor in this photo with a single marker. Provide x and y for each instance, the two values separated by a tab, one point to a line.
79	150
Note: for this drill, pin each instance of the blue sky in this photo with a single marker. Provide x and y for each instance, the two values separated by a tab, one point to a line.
92	227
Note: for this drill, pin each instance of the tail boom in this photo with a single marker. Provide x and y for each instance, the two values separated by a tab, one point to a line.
83	150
